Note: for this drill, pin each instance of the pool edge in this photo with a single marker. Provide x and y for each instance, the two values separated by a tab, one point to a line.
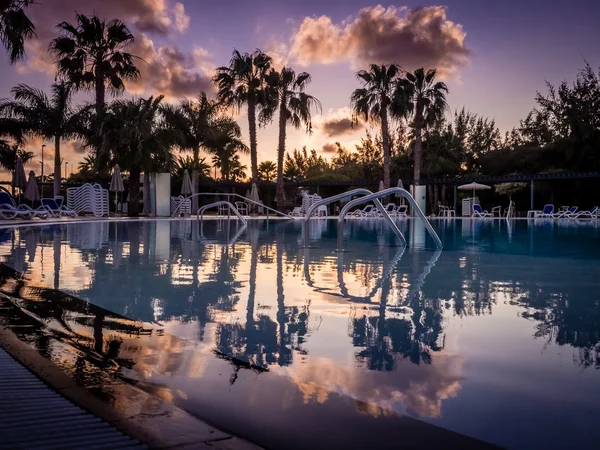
64	385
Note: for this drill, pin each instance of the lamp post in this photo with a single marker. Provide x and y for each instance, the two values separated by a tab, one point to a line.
66	173
43	147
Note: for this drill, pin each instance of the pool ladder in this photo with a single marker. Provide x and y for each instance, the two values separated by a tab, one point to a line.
371	196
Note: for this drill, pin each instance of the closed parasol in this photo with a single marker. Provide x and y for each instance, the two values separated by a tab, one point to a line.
31	191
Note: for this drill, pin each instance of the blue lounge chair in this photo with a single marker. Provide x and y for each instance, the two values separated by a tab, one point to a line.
54	210
566	214
590	214
10	210
391	209
401	211
478	212
548	211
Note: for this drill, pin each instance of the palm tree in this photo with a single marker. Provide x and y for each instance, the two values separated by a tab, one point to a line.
46	117
294	107
244	82
15	27
136	138
196	122
91	54
373	102
267	171
224	144
9	154
420	97
227	160
88	165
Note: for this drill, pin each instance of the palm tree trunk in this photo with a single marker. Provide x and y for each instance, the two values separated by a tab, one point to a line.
100	94
418	150
385	137
253	142
133	207
280	153
57	165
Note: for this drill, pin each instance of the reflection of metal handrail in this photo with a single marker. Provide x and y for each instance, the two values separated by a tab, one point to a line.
344	195
386	273
245	199
394	190
200	213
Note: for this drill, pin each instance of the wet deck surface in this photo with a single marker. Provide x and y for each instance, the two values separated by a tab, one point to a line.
33	416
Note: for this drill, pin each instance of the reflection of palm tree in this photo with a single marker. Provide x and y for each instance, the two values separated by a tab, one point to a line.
383	338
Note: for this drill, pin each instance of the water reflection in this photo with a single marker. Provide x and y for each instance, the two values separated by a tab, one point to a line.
397	331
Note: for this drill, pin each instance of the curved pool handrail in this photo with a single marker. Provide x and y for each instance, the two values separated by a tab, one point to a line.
393	190
232	208
245	199
351	193
335	198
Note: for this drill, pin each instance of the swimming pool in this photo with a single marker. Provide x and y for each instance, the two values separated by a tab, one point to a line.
496	337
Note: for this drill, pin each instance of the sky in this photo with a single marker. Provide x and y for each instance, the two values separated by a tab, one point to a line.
494	55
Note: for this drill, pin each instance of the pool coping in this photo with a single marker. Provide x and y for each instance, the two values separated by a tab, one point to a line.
154	431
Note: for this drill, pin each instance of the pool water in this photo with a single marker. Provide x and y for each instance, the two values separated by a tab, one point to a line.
285	341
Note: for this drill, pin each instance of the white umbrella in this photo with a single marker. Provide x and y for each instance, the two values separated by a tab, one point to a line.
19	180
116	183
381	186
186	185
31	191
401	186
254	196
474	187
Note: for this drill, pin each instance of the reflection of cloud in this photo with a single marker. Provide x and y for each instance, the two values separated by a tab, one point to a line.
417	390
420	37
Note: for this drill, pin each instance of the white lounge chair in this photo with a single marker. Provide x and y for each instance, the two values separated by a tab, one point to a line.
242	208
479	212
368	211
401	211
297	212
10	210
566	214
391	209
590	214
547	212
57	211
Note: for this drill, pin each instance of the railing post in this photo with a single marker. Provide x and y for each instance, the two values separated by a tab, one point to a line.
531	189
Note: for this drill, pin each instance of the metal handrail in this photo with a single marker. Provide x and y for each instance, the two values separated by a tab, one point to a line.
245	199
200	213
351	193
393	190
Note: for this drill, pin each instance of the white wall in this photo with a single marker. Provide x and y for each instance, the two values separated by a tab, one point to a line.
162	186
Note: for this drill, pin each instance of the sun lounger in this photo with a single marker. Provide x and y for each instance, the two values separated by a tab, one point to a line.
10	210
548	211
57	211
401	211
479	212
297	212
367	211
590	214
566	214
391	209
